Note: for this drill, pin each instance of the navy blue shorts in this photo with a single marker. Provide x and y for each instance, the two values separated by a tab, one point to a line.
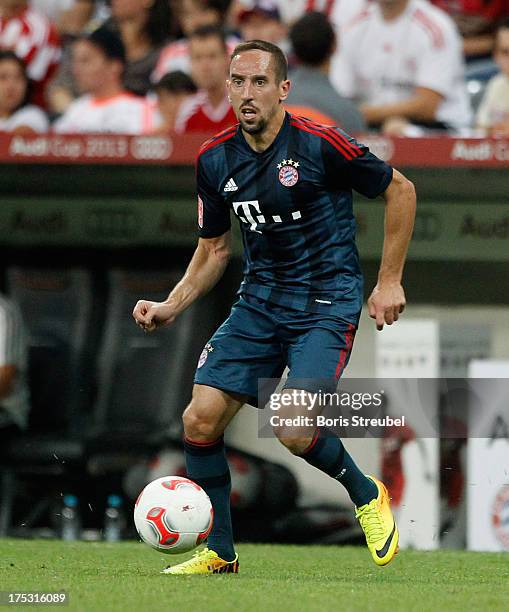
259	339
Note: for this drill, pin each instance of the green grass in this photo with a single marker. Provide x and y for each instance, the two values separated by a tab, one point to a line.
125	576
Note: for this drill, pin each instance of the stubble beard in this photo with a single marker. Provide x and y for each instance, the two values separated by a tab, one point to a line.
254	128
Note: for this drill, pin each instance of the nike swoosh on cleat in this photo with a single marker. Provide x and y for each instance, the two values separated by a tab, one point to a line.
381	553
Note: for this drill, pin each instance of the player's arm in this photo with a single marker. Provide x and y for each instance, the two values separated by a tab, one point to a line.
208	262
387	300
203	272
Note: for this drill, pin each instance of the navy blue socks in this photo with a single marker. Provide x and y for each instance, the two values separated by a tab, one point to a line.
207	466
327	453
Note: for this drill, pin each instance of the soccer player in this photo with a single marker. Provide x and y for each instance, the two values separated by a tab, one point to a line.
289	181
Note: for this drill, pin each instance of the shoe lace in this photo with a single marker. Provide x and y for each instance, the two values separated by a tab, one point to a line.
371	521
196	559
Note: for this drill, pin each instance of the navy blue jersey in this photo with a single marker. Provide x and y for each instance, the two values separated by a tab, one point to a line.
294	205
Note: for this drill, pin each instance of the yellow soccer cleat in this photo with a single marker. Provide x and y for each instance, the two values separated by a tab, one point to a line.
379	526
204	562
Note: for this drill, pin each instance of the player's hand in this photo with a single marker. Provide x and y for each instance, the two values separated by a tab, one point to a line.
151	315
386	303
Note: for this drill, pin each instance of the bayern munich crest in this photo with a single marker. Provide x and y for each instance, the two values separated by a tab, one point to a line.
208	348
288	173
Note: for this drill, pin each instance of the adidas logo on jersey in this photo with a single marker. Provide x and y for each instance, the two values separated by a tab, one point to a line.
231	186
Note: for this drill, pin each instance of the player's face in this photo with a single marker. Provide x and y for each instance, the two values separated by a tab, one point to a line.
12	86
209	62
254	91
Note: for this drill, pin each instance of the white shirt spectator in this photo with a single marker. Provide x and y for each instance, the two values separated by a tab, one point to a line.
120	114
27	116
382	62
494	106
13	352
338	11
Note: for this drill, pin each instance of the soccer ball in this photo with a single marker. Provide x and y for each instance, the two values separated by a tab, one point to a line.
173	514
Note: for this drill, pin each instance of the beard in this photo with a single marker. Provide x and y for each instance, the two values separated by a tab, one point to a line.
254	128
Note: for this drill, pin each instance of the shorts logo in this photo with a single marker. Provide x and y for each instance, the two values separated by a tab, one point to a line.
200	212
500	516
208	348
288	173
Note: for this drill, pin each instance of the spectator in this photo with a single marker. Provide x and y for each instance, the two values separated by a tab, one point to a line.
210	109
15	115
403	59
144	28
34	39
83	15
493	113
14	394
313	41
105	106
477	21
338	11
261	20
192	15
72	16
172	92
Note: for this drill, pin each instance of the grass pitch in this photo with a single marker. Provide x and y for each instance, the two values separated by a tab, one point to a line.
125	576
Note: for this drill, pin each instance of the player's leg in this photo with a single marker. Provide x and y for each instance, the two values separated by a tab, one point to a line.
243	350
205	419
321	353
320	447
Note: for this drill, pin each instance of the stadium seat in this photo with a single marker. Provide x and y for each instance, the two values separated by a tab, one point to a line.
144	379
56	307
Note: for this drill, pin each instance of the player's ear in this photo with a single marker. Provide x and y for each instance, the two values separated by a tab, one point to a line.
284	89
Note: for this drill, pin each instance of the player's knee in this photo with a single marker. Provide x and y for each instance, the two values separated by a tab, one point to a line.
296	444
199	426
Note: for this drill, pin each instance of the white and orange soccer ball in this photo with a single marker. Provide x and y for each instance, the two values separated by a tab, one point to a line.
173	515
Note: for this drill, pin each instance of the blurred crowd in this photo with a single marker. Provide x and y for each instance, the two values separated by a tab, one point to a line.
404	67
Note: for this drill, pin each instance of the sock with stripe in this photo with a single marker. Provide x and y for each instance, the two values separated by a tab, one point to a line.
207	465
327	453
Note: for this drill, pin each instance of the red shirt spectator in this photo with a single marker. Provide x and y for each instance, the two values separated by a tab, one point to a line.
34	39
198	115
209	110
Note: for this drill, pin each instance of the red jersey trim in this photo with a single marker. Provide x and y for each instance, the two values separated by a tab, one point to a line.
336	135
340	143
217	139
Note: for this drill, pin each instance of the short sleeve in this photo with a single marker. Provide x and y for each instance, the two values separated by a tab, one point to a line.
350	165
439	63
213	213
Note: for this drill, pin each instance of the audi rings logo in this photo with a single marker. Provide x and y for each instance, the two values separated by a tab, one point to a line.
156	148
112	223
427	228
